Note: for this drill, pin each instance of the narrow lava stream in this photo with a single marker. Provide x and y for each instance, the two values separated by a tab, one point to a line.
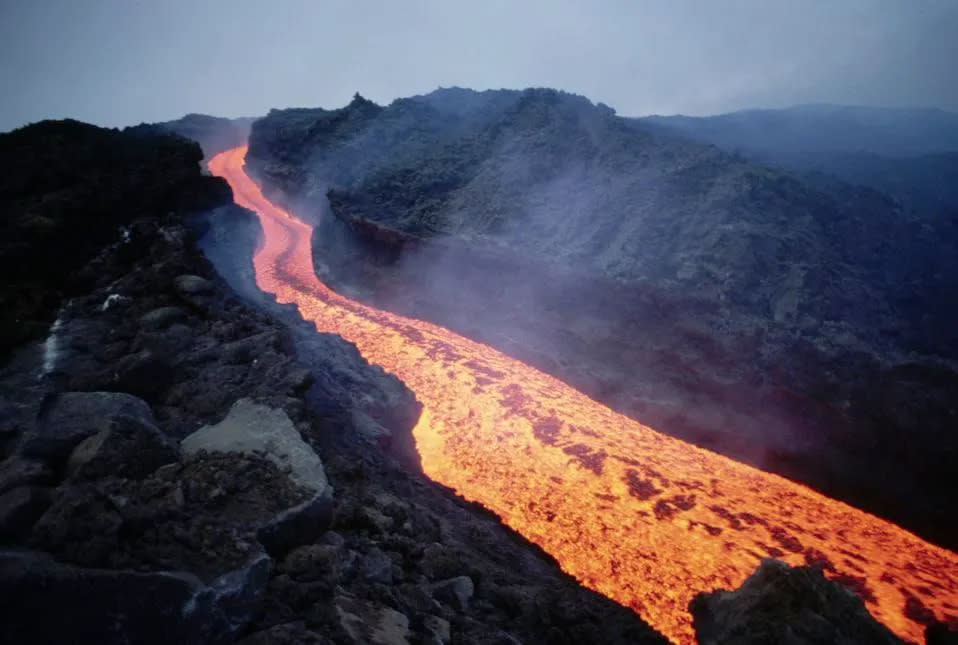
643	518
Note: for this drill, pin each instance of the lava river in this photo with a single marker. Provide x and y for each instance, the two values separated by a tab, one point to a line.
643	518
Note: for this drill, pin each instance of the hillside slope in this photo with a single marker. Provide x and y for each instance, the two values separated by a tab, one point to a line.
801	326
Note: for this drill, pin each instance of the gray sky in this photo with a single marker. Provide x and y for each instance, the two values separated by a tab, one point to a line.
119	62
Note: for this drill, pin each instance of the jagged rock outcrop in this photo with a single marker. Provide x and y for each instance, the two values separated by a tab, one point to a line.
66	189
73	417
779	604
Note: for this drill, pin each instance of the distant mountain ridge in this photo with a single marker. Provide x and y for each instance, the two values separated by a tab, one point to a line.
889	132
910	154
214	134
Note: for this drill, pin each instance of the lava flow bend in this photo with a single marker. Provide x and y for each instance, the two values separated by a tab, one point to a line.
643	518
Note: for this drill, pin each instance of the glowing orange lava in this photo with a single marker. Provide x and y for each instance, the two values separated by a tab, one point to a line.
646	519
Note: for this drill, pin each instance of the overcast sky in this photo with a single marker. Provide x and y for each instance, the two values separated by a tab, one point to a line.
119	62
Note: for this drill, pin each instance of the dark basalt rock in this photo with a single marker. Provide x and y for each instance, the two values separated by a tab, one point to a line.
20	508
163	317
66	189
131	451
368	622
144	374
778	604
298	525
19	471
192	285
292	633
101	606
71	417
455	591
199	514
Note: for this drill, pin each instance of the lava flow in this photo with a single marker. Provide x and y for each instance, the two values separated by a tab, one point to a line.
643	518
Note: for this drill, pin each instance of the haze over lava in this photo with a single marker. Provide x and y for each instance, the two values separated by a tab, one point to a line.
639	516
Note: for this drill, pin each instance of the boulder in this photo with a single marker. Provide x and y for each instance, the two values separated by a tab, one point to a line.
455	592
779	604
251	428
162	317
71	417
131	451
103	606
299	524
368	622
192	285
20	508
258	429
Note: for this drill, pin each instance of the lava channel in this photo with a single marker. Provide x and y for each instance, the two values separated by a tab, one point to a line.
641	517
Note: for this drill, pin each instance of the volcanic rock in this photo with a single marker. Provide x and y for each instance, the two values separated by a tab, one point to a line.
131	451
779	604
314	561
250	428
455	591
71	417
67	191
238	594
192	285
298	525
101	606
293	633
144	373
19	509
376	566
199	515
162	317
18	471
368	622
437	630
438	562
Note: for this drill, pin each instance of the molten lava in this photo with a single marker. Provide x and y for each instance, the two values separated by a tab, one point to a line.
643	518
